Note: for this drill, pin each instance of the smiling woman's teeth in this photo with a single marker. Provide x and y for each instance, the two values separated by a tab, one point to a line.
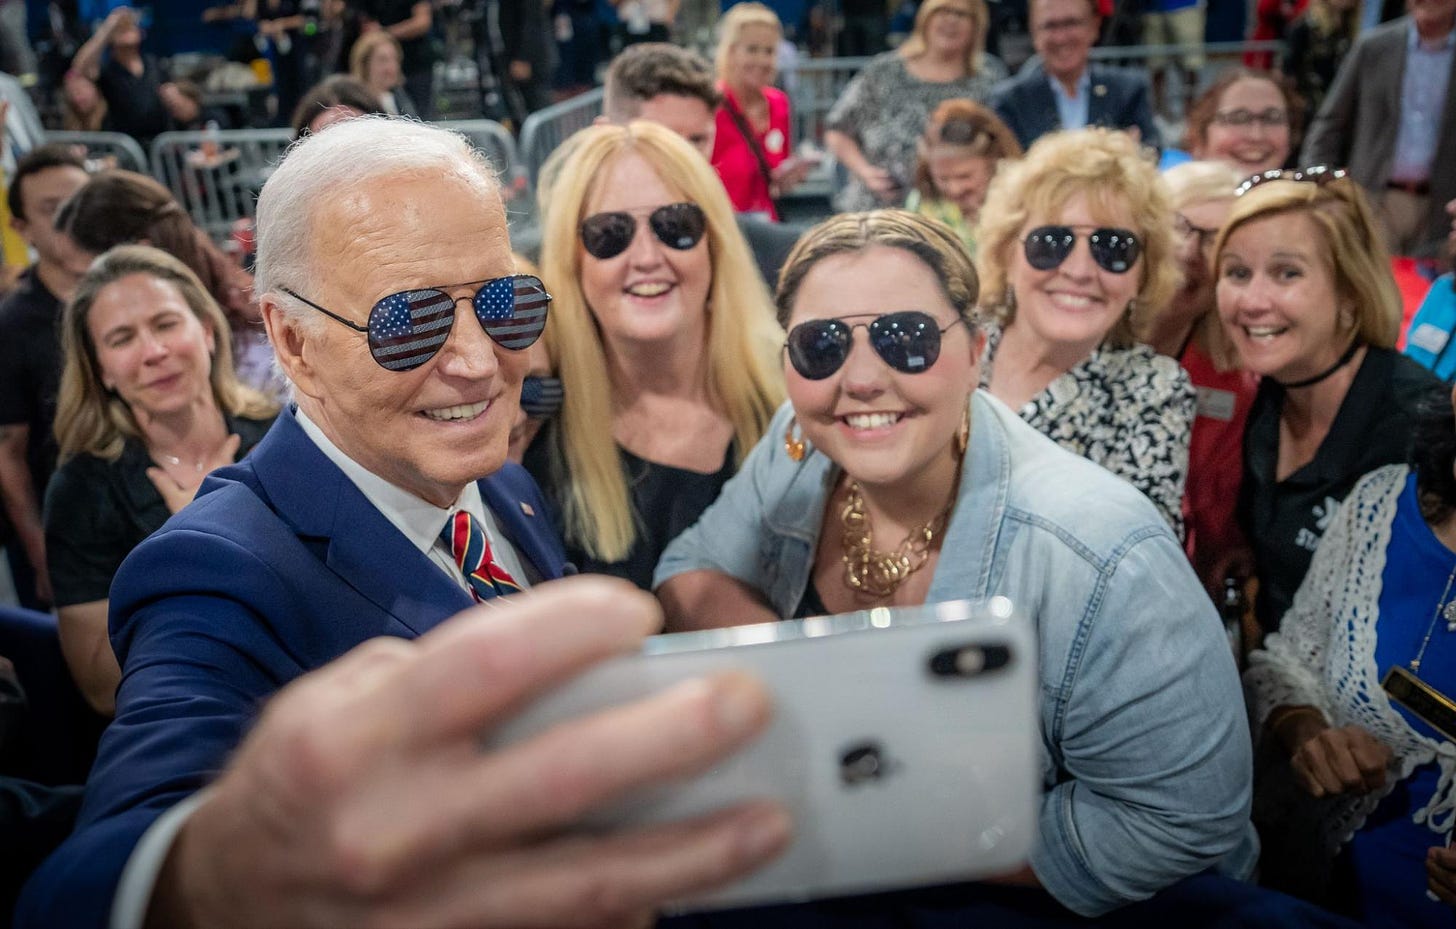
449	413
655	289
1264	332
871	420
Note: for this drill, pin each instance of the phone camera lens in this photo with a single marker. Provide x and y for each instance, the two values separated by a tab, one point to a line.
969	660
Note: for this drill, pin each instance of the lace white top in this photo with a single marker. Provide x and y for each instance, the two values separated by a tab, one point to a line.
1324	655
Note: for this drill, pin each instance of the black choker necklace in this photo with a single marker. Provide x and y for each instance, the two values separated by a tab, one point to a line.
1311	381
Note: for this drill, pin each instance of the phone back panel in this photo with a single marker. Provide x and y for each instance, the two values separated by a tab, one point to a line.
902	763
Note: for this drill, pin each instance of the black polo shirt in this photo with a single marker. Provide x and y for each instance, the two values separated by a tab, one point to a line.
30	370
1285	520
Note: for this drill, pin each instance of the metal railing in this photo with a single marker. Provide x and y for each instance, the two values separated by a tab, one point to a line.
216	176
547	128
110	149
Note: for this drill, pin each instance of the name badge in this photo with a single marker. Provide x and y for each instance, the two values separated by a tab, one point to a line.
774	141
1216	404
1433	707
1429	338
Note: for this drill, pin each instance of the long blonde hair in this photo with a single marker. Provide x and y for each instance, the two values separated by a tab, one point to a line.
743	376
915	45
93	420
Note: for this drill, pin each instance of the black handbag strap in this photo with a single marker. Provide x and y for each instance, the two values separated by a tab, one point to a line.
741	122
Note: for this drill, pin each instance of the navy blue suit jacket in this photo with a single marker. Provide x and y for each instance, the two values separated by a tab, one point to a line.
279	566
1117	99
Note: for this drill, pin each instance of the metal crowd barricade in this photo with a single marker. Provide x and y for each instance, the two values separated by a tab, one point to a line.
216	176
492	140
112	149
547	128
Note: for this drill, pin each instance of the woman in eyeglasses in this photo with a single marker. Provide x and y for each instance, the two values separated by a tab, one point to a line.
148	405
664	339
1187	329
1076	246
1306	296
890	480
1247	118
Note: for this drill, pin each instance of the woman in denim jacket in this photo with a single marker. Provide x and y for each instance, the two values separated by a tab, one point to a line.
1147	761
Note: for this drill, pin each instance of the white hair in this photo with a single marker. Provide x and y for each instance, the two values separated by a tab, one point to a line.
347	155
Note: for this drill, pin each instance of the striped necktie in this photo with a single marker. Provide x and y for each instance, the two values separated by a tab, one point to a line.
471	551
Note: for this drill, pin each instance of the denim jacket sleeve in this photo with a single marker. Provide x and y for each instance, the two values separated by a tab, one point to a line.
1145	724
763	526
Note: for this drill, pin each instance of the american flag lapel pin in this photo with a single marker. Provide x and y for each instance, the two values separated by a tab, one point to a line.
526	508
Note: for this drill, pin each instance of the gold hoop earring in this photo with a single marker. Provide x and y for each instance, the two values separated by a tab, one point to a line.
793	444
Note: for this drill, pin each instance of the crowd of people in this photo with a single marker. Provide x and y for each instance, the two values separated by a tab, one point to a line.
307	527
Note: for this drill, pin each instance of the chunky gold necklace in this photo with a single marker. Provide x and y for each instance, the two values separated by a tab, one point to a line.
879	574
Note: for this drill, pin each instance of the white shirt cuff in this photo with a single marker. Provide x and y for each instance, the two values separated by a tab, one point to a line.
139	877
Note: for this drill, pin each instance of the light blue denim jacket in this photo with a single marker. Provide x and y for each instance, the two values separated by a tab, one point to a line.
1146	761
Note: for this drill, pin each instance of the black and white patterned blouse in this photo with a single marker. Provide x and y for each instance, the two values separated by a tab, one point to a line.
884	109
1130	410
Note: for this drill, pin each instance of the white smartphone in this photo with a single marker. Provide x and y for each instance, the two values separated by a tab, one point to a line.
904	743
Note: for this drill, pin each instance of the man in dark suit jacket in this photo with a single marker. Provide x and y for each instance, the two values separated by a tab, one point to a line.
1371	122
1065	90
355	795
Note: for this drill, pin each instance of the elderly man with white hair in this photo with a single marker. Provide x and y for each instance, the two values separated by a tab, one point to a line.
375	510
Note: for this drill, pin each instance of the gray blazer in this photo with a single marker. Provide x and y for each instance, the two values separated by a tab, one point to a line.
1357	124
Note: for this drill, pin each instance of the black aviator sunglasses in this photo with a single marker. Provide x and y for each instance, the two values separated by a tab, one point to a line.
1115	250
679	226
908	341
407	329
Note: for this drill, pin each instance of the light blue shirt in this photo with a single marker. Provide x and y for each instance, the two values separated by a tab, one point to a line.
1422	102
1072	110
1146	764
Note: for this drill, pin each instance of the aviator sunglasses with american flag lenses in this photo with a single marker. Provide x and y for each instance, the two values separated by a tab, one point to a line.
407	329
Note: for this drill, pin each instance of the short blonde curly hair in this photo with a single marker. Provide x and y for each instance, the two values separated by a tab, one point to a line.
1108	168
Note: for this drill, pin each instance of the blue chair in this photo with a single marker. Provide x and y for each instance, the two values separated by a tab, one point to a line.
55	742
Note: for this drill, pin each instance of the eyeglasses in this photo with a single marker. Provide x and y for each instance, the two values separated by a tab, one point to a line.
1186	230
679	226
1115	250
541	397
1272	118
407	329
1314	174
908	341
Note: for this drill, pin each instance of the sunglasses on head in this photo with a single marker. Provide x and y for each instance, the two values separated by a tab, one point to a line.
1319	175
1115	250
541	396
679	226
407	329
908	341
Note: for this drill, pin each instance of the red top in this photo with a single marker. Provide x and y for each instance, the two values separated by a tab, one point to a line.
734	160
1215	460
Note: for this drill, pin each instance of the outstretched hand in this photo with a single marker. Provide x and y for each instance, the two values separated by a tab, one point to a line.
363	795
